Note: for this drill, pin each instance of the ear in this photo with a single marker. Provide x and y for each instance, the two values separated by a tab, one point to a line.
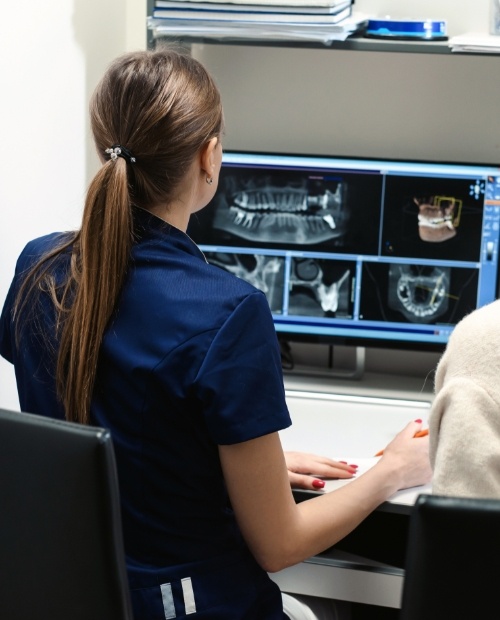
207	156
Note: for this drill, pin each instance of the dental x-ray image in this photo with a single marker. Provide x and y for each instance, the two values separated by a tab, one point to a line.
264	272
433	217
264	208
321	287
413	293
279	207
420	293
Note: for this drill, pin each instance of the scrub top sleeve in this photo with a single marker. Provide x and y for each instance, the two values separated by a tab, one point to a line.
240	383
6	322
6	343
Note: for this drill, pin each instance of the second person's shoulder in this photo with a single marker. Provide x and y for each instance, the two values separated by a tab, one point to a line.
480	321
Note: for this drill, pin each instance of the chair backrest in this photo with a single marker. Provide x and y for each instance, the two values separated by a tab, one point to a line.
61	548
452	560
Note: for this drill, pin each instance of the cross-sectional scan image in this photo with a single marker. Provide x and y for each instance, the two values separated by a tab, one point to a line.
421	294
275	208
433	217
321	287
264	272
402	292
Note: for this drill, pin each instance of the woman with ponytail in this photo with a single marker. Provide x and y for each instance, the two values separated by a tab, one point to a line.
123	324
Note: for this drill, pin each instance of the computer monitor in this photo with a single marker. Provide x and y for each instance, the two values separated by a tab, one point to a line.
357	251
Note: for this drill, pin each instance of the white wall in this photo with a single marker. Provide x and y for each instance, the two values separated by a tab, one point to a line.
53	52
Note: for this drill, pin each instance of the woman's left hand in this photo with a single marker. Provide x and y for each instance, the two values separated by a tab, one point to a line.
306	471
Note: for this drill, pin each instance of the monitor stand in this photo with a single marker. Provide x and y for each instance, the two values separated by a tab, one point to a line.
354	371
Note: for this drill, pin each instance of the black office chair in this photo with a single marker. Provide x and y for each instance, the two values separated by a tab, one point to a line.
452	560
61	548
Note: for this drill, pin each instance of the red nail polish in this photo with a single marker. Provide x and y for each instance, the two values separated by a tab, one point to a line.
318	484
355	466
419	421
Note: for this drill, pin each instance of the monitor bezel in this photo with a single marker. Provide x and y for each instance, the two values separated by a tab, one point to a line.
354	340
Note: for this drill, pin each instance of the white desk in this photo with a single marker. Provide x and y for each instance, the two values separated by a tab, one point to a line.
353	427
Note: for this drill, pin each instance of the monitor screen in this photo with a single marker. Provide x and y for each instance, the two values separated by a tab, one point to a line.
357	251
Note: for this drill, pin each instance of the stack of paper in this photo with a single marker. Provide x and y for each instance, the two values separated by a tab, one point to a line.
475	42
323	20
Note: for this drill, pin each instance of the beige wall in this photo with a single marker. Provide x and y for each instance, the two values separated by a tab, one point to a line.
52	54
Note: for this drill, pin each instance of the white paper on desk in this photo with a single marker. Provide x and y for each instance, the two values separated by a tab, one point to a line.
363	464
405	496
475	42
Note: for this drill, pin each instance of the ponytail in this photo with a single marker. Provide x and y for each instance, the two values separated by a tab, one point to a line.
98	268
85	302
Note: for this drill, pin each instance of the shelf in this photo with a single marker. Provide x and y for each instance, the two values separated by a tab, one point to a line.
353	43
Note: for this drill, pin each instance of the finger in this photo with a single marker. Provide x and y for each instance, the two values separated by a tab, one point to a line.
412	429
300	481
314	464
334	471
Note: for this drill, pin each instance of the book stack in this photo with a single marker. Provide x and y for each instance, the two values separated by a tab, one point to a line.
310	20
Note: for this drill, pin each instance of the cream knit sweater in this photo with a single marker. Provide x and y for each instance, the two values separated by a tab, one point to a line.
464	423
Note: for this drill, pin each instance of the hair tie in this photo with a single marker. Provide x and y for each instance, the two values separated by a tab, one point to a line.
117	150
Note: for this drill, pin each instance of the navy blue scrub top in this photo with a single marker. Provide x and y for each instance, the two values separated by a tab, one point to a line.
190	360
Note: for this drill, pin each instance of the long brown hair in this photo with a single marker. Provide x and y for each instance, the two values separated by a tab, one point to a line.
162	106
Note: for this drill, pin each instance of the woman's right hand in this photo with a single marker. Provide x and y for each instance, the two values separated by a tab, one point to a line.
280	532
410	456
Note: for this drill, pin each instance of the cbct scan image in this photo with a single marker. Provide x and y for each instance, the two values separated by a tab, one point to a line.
412	293
426	217
321	288
323	211
264	272
280	207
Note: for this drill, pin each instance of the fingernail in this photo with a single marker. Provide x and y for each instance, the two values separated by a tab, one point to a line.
352	470
419	421
355	466
318	484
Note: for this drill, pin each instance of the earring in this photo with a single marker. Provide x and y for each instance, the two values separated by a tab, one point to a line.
209	180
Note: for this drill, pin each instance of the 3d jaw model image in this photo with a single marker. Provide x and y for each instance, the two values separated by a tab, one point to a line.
273	213
420	293
438	217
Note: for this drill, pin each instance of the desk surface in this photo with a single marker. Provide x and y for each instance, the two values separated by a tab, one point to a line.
353	422
352	428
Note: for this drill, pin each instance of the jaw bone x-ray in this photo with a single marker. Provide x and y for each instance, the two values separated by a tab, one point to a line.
314	292
420	293
263	272
281	208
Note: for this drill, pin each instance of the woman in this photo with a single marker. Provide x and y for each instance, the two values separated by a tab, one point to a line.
123	324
